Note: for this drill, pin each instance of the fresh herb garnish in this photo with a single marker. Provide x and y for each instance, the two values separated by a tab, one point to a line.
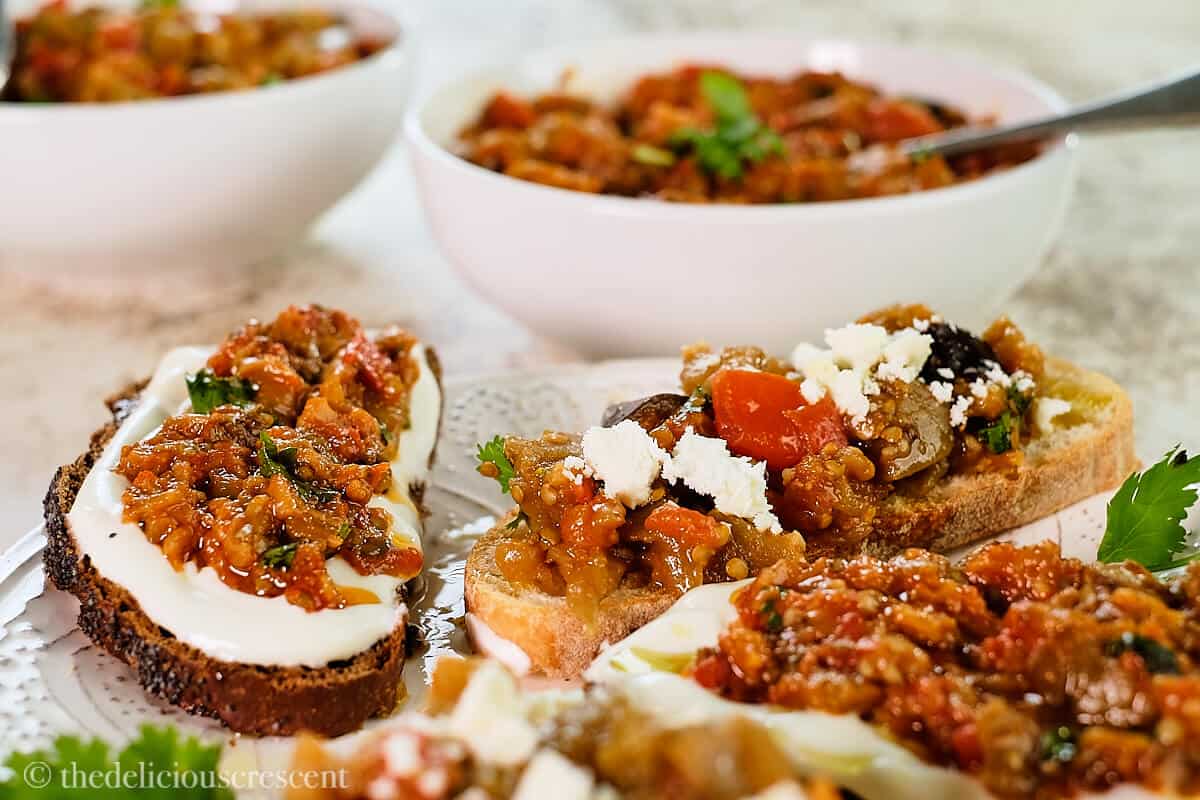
54	774
270	79
281	556
774	618
1159	659
275	461
652	156
207	391
739	137
997	436
1145	515
493	463
1058	744
516	521
153	5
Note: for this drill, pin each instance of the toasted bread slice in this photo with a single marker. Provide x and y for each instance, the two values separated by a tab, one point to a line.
1089	452
249	698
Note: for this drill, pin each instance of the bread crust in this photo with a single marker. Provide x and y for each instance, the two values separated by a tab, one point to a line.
253	699
959	511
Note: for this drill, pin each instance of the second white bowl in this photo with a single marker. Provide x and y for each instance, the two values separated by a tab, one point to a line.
615	275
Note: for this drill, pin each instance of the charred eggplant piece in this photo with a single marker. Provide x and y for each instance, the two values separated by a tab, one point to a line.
957	350
649	412
927	432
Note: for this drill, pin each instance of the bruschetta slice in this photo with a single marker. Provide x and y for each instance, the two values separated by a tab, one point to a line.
1016	673
904	430
242	532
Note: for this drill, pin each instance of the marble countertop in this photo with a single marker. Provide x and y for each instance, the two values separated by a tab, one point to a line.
1120	292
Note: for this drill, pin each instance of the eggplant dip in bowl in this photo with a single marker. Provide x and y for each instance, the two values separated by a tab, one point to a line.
790	231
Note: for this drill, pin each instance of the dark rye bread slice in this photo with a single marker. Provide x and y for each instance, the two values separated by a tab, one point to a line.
268	701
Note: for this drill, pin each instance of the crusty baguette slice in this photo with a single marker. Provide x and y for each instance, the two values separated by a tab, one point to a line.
263	700
1092	454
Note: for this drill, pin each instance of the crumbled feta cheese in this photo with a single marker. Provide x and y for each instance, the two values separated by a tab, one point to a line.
490	719
626	459
402	753
434	782
859	357
979	388
576	469
383	788
921	325
946	373
857	346
1045	409
550	774
1023	381
942	390
737	485
848	394
958	411
904	355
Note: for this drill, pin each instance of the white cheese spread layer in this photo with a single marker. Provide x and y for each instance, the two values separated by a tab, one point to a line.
193	604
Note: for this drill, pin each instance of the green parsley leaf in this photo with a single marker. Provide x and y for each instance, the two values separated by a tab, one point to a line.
739	138
207	391
1145	515
493	463
1159	659
156	751
281	556
1058	744
726	96
652	156
270	79
273	461
997	436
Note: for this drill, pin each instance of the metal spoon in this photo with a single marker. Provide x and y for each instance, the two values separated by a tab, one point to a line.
1175	101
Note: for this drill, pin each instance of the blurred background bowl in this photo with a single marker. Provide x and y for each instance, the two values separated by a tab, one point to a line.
216	181
621	276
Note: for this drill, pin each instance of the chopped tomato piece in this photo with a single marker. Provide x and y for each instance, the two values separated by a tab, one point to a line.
688	526
372	364
507	111
893	120
586	525
765	416
711	671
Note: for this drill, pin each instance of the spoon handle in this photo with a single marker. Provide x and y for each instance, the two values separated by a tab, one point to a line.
1175	101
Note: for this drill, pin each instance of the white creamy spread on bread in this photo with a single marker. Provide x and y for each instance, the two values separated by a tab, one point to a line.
193	604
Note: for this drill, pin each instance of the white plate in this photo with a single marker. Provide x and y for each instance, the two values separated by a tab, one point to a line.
52	680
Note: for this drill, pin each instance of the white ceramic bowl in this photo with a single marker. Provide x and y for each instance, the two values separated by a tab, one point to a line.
209	181
614	275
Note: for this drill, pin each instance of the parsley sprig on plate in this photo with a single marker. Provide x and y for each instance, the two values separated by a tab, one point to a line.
55	773
739	138
493	463
1145	516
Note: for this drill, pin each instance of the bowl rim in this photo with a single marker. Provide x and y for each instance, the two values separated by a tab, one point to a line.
421	141
389	55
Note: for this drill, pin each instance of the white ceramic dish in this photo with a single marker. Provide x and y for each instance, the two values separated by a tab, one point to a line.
613	275
53	680
211	181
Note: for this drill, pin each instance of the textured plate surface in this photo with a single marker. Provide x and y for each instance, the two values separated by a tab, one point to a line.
52	680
